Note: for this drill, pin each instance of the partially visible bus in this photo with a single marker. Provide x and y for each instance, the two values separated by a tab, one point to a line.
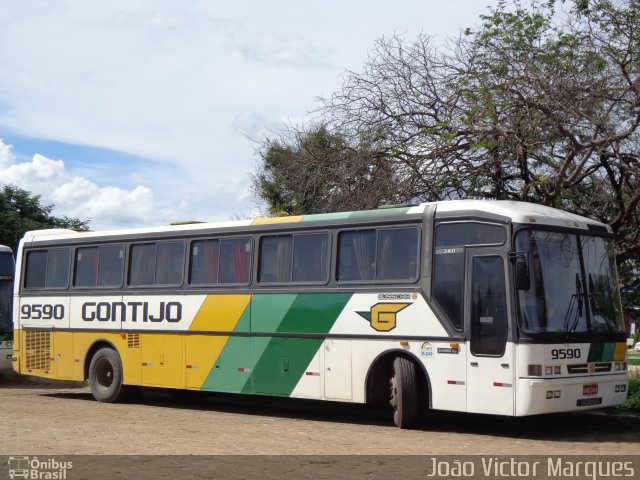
7	268
473	306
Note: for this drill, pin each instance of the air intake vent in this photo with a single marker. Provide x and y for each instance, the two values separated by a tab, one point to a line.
133	340
38	349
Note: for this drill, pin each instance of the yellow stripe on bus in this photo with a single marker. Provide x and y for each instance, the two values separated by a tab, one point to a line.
219	313
271	221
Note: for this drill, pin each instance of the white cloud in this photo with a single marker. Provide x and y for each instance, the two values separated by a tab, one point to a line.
291	50
6	155
182	85
76	196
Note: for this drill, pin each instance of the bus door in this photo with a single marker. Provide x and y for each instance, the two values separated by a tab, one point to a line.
490	361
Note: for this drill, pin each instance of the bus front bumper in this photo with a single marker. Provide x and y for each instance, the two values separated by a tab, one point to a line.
536	395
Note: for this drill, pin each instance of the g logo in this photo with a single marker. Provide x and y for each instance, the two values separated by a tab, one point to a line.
382	316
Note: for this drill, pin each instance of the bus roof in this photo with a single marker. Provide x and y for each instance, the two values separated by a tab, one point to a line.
518	212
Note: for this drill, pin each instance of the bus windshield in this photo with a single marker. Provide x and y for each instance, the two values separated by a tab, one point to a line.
573	284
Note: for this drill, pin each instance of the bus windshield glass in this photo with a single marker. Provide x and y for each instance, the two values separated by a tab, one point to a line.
572	284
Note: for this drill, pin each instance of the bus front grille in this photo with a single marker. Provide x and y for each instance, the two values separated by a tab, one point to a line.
598	367
38	350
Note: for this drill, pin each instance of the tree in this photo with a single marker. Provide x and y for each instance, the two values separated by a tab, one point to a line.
316	171
529	105
20	212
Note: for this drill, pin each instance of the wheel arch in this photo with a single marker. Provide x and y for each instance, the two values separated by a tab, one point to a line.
380	372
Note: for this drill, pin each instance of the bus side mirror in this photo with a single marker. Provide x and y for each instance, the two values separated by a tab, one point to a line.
522	275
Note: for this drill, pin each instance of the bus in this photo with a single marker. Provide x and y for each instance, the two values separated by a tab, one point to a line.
7	268
493	307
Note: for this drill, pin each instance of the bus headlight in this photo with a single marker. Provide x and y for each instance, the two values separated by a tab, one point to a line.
535	370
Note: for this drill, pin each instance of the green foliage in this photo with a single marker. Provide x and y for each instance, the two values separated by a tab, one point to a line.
633	397
316	171
20	212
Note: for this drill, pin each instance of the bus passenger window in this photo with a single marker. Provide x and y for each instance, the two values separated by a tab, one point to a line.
142	264
357	255
310	257
36	270
235	260
397	254
86	269
58	265
169	263
205	256
276	258
111	266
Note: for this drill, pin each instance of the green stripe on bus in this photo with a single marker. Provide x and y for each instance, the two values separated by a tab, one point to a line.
284	360
225	375
608	352
321	217
601	352
380	213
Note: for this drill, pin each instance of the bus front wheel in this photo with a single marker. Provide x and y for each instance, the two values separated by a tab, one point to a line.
105	376
404	395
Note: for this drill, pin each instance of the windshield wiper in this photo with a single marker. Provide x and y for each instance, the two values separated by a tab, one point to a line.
608	316
576	298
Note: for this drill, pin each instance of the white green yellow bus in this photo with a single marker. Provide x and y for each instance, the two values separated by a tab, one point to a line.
473	306
7	268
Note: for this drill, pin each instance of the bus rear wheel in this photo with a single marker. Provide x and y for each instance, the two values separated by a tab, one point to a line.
105	376
404	395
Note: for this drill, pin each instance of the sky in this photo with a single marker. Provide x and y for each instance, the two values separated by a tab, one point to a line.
139	113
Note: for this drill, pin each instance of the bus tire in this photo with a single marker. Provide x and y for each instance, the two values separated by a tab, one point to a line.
105	376
404	393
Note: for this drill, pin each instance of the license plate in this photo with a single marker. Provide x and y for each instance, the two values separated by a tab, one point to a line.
591	389
585	402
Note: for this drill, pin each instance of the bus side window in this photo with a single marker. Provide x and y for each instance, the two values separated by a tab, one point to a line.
310	257
142	264
205	256
48	268
276	256
397	254
169	263
36	270
58	266
235	260
86	267
111	266
357	255
448	283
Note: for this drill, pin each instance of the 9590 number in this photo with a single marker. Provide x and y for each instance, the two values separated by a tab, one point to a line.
565	353
37	311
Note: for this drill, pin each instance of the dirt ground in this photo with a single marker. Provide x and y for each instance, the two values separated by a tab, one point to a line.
63	419
163	435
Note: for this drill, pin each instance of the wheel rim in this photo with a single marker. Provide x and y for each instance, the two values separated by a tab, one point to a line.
104	372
